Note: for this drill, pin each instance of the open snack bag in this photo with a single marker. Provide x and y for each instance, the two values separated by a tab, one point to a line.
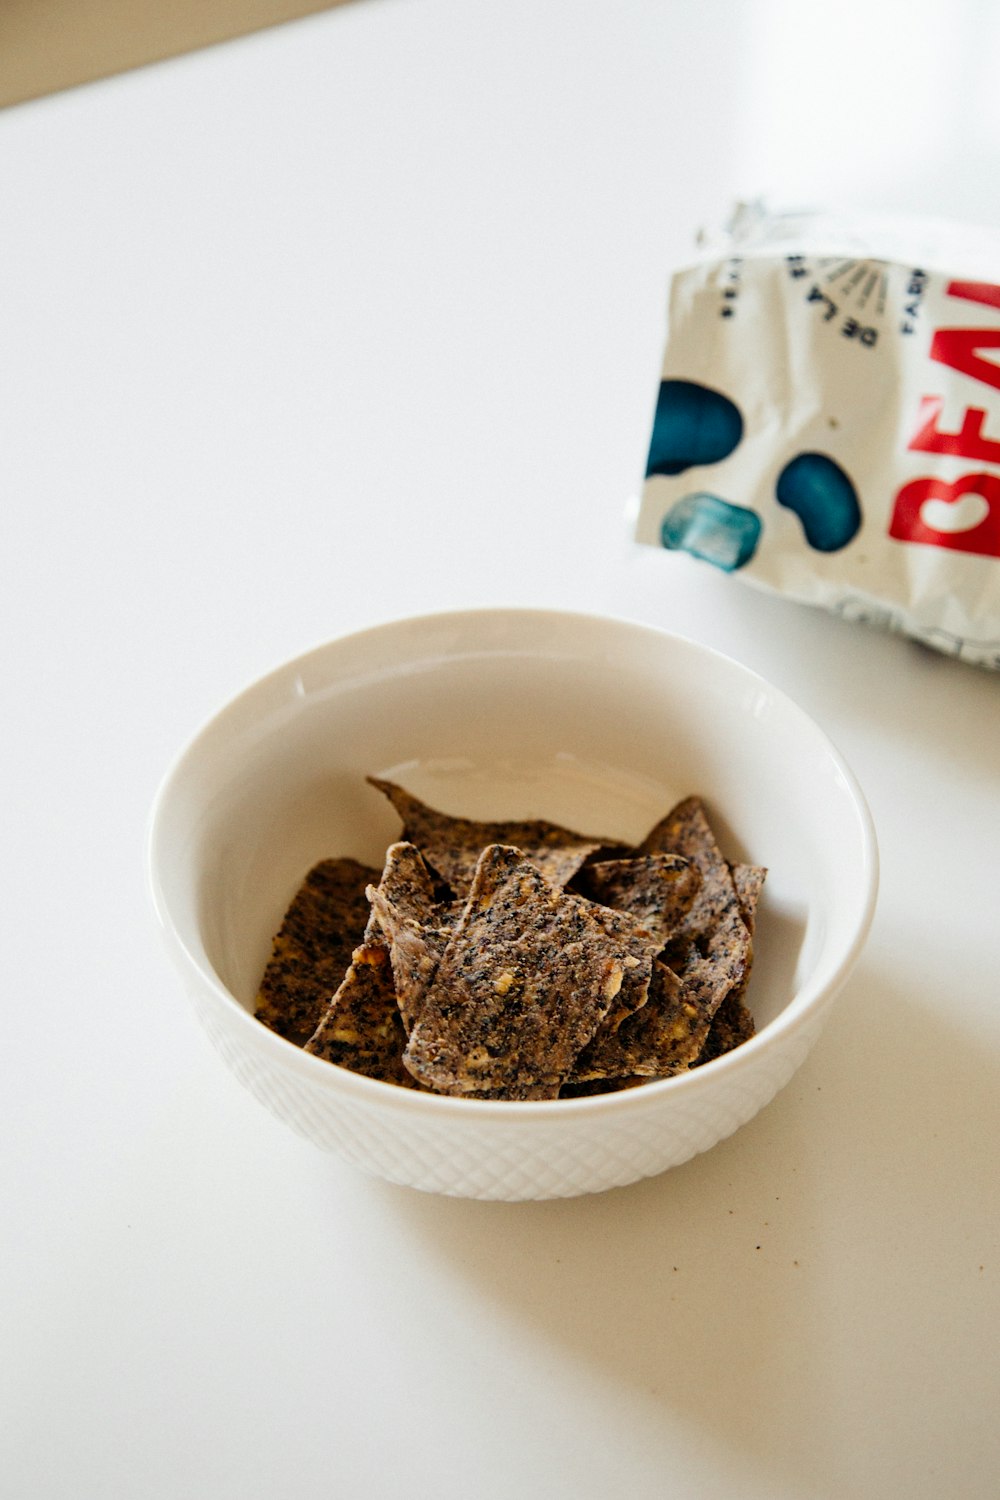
828	420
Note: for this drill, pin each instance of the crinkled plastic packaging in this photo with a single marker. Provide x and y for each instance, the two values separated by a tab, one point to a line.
828	420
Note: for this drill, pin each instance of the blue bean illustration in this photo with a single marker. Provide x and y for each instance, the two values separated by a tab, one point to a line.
818	491
712	529
693	425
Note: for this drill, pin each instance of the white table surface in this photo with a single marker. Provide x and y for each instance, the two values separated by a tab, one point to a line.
364	316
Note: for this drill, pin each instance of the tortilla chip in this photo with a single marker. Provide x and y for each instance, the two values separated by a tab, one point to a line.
663	1038
523	984
362	1029
509	985
686	831
312	950
412	924
733	1023
657	889
670	1033
717	966
641	948
453	845
748	882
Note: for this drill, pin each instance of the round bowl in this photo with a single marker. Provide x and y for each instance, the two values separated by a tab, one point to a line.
597	724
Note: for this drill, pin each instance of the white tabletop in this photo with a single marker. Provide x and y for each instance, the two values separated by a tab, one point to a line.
364	316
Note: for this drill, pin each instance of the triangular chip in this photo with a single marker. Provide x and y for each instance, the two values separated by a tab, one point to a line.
717	963
657	889
411	921
640	948
453	845
686	831
313	947
748	882
715	917
362	1029
733	1023
671	1032
663	1038
523	984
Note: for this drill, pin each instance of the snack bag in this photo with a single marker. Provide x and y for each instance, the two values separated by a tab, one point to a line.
828	420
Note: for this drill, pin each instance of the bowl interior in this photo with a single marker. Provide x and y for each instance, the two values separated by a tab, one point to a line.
600	725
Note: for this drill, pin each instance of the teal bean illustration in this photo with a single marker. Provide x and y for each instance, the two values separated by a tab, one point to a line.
693	425
818	491
712	529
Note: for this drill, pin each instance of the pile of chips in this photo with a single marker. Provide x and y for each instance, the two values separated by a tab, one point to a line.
518	960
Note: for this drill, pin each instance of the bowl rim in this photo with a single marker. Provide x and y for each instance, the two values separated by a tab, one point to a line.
805	1005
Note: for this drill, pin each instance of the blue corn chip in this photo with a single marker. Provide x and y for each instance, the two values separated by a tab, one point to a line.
312	950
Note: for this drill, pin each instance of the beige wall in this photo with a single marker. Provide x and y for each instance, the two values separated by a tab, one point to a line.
47	45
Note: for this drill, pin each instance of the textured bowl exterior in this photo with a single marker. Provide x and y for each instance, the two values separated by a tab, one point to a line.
473	1148
586	1146
512	1160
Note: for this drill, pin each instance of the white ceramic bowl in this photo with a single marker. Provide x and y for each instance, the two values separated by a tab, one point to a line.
595	723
